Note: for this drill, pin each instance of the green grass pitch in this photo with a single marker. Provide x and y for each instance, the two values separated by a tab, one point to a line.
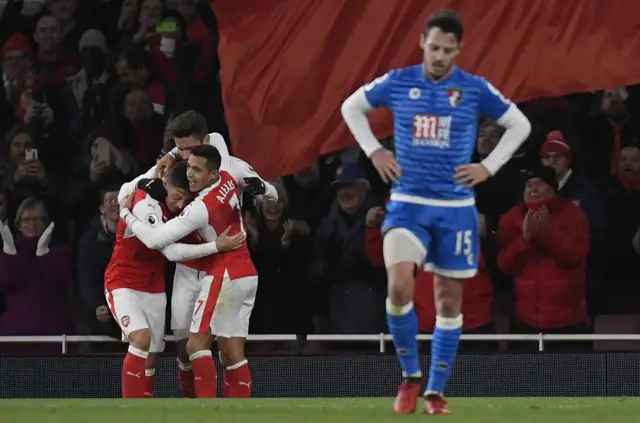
324	410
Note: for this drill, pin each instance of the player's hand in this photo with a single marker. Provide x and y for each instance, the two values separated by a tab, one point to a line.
529	226
255	186
126	202
226	243
103	314
164	165
386	165
471	174
375	216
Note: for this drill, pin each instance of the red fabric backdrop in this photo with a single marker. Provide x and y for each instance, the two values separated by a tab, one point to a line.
287	65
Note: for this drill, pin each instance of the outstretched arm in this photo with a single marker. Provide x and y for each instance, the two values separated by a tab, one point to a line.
240	170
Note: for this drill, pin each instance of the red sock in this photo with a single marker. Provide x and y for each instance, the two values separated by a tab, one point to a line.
239	380
204	374
185	380
226	391
150	377
134	384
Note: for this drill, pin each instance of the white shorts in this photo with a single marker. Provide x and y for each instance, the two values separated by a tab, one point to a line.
136	310
224	306
186	289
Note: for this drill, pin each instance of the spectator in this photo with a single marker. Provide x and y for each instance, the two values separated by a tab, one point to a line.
622	204
139	128
23	176
65	11
90	94
543	245
275	241
135	69
94	252
104	162
16	64
149	13
55	63
355	291
574	186
199	33
34	276
611	129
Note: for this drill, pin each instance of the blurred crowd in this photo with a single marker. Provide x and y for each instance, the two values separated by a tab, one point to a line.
89	89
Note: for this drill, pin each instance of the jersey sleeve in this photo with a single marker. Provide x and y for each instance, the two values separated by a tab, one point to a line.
492	103
148	211
217	140
131	186
195	216
239	169
182	252
378	91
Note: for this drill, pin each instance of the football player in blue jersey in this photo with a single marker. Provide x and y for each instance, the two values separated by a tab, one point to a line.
432	220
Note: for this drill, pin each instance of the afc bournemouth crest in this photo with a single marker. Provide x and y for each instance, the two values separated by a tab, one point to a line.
125	321
455	96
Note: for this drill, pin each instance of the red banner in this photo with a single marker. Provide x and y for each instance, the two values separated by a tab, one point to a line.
287	65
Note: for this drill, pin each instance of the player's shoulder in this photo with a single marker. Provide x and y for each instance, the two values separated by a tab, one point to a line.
462	76
408	73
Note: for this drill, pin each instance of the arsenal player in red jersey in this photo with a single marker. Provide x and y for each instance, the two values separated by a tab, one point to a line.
189	130
134	281
231	281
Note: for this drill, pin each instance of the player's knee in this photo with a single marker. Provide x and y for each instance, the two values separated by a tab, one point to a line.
231	358
198	342
181	350
400	245
400	283
141	339
448	296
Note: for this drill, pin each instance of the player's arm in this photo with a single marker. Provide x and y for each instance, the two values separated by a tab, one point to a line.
355	108
243	172
192	218
494	105
130	187
182	252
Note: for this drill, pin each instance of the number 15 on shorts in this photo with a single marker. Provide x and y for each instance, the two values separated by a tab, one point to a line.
464	245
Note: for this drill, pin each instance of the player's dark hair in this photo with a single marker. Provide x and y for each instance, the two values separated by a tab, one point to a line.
448	22
189	124
210	153
178	176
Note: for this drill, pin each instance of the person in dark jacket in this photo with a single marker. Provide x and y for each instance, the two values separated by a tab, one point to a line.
35	278
575	187
543	245
355	289
94	252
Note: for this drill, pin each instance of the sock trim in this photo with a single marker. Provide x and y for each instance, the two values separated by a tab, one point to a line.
398	310
200	354
449	323
184	367
149	372
138	352
237	365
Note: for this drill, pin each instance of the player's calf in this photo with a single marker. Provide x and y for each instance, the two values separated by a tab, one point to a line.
447	332
185	370
204	369
236	374
134	381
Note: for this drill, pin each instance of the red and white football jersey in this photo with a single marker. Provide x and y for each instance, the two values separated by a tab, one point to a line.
132	264
216	208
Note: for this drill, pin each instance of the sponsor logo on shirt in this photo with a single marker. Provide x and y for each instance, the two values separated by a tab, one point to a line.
431	131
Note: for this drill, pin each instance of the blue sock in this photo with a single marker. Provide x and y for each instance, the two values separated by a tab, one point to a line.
444	347
403	325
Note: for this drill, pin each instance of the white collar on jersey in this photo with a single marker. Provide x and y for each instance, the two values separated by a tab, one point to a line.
208	189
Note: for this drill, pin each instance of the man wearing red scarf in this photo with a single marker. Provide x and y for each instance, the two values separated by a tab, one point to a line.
543	245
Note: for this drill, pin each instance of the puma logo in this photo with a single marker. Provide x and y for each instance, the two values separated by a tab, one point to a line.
197	378
134	374
247	384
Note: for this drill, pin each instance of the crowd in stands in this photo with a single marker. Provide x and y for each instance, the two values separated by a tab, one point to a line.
89	89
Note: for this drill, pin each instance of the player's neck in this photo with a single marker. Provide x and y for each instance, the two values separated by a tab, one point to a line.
434	78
